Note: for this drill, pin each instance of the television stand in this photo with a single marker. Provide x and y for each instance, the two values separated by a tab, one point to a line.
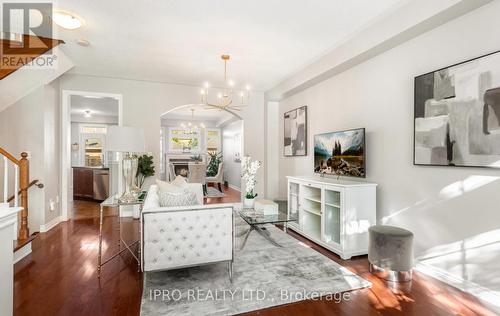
333	213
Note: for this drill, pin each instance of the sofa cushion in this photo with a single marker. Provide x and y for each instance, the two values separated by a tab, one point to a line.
185	197
180	181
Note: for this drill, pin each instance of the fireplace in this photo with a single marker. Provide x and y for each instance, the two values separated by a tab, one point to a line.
178	165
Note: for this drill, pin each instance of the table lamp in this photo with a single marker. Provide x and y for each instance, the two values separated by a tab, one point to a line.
127	140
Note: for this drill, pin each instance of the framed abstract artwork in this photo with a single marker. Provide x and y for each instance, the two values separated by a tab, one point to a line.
295	133
457	115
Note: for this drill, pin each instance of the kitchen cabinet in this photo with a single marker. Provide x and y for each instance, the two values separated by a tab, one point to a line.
90	183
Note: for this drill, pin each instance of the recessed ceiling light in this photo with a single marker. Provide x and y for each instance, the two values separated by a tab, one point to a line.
67	20
83	42
87	114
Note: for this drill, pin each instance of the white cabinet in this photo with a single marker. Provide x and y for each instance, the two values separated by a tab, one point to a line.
335	214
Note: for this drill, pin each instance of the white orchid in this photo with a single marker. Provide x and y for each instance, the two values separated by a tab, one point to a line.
249	170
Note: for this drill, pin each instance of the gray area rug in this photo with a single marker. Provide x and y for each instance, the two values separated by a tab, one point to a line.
264	276
214	193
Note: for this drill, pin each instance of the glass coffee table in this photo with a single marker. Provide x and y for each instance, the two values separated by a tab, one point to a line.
257	220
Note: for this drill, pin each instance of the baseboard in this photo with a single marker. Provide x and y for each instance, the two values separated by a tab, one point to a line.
22	252
235	188
487	296
48	226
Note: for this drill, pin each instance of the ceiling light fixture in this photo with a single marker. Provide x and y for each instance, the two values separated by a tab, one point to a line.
87	114
225	98
67	20
191	128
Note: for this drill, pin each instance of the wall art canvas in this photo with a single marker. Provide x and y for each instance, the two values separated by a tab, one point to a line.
340	153
295	136
457	115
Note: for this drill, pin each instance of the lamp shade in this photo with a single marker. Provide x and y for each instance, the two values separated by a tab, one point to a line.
125	139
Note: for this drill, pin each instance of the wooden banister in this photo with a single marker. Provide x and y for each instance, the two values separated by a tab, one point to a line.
9	156
24	179
32	183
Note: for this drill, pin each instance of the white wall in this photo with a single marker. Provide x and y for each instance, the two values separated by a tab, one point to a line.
232	168
272	144
52	149
453	212
32	125
145	102
75	138
20	130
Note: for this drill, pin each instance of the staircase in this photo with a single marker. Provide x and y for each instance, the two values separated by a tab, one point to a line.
18	82
18	201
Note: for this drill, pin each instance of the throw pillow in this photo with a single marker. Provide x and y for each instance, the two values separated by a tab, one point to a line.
180	181
185	198
167	187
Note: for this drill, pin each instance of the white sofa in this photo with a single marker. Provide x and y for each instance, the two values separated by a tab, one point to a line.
180	237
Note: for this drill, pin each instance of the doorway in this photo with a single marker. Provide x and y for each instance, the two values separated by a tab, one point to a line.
87	169
196	135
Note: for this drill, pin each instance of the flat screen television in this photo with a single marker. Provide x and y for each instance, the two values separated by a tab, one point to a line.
340	153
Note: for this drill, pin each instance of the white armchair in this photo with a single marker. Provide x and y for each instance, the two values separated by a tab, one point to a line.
186	236
218	178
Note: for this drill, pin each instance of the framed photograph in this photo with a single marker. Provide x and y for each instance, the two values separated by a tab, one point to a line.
295	134
457	115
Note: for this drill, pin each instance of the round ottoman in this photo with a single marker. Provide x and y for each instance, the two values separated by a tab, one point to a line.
390	253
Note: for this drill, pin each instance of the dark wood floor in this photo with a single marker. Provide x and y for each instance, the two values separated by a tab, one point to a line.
232	196
60	278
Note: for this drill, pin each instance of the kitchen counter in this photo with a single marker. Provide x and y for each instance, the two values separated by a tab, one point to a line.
92	168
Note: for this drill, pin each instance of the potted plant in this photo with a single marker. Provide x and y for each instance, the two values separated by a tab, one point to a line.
249	170
145	169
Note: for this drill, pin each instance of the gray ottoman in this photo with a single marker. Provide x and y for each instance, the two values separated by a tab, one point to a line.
390	253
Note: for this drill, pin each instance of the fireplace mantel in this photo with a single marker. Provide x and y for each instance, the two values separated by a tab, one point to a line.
179	161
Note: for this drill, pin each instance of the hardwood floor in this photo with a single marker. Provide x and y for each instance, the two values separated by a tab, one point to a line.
232	196
60	278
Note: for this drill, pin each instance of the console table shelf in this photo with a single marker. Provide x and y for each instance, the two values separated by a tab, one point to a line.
334	214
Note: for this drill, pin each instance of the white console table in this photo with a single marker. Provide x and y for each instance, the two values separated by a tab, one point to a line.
8	219
333	213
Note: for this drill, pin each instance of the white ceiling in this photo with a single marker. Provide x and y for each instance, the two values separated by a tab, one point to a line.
201	113
181	41
97	106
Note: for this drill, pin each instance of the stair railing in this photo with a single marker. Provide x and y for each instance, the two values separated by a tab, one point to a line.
21	185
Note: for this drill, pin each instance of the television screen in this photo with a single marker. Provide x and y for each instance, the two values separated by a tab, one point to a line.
340	153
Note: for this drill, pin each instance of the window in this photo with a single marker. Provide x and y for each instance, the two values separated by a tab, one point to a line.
94	129
183	141
92	137
213	140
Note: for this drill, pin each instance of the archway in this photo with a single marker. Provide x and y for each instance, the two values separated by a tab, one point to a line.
203	135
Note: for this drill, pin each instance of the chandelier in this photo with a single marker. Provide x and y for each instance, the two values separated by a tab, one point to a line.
191	128
229	98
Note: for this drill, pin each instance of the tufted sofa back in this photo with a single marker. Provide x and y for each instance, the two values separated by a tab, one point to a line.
179	237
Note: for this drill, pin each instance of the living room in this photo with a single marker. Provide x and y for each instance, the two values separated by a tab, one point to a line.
315	158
